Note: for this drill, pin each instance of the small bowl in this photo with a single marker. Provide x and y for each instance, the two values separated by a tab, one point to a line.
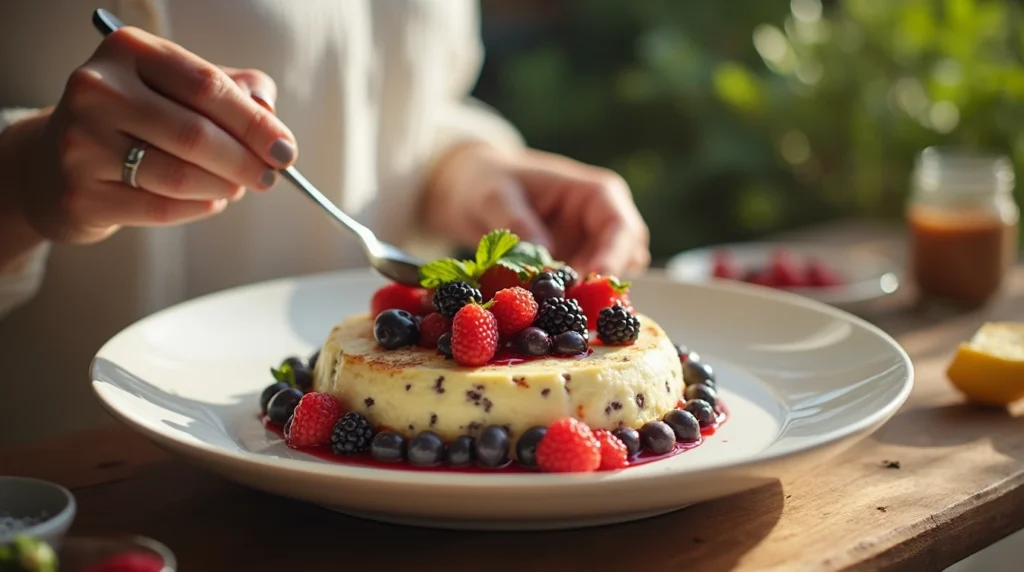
25	498
85	552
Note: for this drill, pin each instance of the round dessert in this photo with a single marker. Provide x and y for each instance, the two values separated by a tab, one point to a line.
409	390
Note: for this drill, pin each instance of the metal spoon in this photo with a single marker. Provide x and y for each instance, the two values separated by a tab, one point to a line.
390	261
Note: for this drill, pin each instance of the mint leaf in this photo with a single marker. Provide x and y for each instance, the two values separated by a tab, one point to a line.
492	247
284	375
438	272
521	270
619	287
529	254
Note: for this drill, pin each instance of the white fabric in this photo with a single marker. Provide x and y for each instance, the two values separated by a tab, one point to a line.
374	90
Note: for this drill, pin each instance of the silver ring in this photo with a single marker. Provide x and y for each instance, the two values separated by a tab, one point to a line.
131	164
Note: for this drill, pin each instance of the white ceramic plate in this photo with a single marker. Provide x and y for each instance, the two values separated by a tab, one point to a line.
802	380
868	275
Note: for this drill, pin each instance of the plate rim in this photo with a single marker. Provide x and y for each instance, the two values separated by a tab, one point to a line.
167	437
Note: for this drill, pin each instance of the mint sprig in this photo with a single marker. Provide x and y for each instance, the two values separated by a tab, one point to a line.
496	248
284	374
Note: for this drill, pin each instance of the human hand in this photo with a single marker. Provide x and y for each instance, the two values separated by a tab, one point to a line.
585	215
207	140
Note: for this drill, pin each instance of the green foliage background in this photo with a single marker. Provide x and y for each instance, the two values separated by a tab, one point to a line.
732	119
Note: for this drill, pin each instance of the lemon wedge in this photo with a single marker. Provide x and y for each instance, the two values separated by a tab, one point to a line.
989	369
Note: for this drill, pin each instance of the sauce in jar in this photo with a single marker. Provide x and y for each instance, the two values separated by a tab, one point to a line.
963	225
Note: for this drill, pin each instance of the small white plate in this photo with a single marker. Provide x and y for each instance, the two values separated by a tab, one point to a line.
868	275
801	380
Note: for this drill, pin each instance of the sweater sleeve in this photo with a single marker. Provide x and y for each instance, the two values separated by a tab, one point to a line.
20	281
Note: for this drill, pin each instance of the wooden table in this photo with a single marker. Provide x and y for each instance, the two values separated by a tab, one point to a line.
957	489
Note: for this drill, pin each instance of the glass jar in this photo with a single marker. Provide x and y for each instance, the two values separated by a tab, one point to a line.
963	224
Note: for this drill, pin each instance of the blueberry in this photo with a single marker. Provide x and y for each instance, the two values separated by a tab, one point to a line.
703	411
395	329
695	372
533	341
282	405
684	425
270	392
311	362
444	345
303	377
657	437
293	362
526	446
547	288
569	343
388	446
630	438
460	452
492	446
702	392
426	450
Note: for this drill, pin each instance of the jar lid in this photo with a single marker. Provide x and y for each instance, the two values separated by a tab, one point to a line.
963	171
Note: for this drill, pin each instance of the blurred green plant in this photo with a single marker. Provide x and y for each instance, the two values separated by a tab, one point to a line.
734	119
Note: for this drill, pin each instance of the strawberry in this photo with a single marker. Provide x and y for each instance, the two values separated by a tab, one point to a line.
817	274
613	451
597	293
723	266
431	328
137	562
313	420
498	278
785	270
396	296
514	308
474	335
569	446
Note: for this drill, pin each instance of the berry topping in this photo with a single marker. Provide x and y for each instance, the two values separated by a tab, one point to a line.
128	562
498	278
569	344
387	446
514	309
431	328
426	450
546	288
314	417
395	329
613	451
492	446
557	315
533	341
282	405
569	446
630	438
723	266
683	352
295	373
526	446
444	345
460	452
694	371
452	296
567	276
598	292
702	392
474	336
818	275
352	434
684	425
396	296
617	327
269	392
784	270
657	437
703	411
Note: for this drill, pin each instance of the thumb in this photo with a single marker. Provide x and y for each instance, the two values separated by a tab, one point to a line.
257	84
511	209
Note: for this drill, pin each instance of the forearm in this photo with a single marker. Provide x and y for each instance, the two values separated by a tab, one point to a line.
19	242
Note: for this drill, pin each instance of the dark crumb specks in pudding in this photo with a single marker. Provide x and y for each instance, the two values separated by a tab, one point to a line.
368	402
640	400
408	386
545	392
439	384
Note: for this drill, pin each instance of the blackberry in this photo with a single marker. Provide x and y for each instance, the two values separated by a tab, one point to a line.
616	327
567	276
557	315
352	434
451	297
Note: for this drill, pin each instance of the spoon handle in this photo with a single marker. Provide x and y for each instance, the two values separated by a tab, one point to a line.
108	23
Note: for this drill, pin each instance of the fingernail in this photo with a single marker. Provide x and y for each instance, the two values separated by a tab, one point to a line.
268	179
219	205
283	151
263	100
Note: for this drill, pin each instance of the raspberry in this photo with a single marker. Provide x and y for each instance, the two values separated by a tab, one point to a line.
431	328
351	434
557	315
785	270
515	309
396	296
474	335
498	278
129	562
613	451
314	417
451	297
569	446
597	293
616	327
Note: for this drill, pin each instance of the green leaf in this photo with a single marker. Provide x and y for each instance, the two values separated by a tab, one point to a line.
438	272
620	287
524	271
284	375
492	247
529	254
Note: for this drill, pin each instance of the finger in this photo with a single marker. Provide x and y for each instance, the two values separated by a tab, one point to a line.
121	205
256	85
514	212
